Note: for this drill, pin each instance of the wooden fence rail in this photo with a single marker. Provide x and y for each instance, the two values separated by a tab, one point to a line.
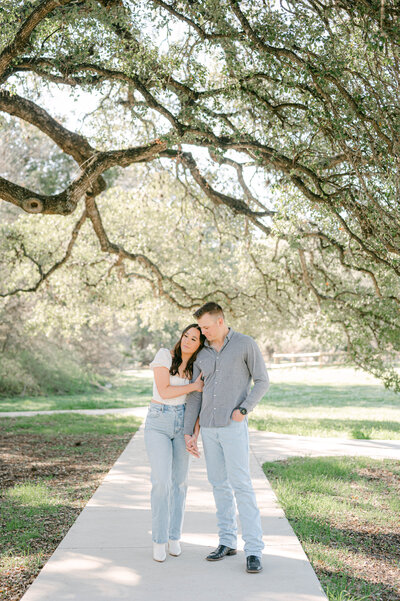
307	359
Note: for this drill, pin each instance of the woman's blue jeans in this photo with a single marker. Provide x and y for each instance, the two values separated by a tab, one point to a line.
169	461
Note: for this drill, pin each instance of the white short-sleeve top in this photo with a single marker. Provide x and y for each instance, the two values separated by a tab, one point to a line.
164	359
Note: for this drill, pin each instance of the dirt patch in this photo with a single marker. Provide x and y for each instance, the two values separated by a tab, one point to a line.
74	467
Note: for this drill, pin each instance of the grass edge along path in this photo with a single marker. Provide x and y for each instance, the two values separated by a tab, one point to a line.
322	402
51	467
344	510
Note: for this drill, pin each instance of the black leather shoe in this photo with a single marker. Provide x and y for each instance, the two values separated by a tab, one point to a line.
253	564
220	553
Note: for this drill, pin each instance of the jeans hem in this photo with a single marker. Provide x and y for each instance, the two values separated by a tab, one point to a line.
228	544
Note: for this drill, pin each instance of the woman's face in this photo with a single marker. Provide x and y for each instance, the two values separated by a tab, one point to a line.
190	341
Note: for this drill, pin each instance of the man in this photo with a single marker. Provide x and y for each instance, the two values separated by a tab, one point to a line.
229	361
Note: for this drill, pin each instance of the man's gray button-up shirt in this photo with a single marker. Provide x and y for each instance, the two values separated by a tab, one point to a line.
227	380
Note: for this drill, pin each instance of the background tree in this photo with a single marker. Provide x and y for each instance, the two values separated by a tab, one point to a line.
105	316
285	115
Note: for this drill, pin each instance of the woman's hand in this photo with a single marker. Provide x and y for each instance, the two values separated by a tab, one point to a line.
198	383
191	445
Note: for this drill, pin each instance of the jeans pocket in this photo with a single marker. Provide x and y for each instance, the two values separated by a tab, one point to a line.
154	412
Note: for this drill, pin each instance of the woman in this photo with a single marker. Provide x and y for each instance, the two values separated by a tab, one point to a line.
164	439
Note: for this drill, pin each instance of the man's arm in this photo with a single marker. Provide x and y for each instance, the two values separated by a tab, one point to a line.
193	405
258	372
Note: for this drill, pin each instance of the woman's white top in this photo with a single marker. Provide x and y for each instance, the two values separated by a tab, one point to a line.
164	359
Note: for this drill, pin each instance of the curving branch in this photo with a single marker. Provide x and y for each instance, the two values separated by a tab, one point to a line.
23	34
235	204
66	202
261	45
70	142
44	275
239	170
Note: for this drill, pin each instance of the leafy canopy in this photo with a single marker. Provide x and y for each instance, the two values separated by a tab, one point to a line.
285	114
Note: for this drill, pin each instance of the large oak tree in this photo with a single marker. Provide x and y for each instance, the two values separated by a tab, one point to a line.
285	113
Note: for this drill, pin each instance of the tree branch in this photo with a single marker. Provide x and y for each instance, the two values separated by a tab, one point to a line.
66	202
22	36
44	275
235	204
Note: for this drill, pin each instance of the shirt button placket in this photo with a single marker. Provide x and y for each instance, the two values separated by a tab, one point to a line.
215	383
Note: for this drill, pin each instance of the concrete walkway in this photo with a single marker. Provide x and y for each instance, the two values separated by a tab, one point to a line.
272	446
106	555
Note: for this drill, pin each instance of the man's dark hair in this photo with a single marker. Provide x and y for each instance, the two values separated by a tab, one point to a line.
212	308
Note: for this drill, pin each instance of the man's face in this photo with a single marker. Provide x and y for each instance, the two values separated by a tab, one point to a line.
211	326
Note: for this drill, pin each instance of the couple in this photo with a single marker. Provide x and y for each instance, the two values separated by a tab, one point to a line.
205	382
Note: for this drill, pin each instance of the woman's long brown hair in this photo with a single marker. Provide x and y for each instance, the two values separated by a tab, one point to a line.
177	354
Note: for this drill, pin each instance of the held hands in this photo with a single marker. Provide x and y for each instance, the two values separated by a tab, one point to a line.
198	383
191	445
237	416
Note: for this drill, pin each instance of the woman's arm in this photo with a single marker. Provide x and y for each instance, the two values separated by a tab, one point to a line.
166	391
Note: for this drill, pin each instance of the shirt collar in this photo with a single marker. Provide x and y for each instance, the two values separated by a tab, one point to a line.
226	340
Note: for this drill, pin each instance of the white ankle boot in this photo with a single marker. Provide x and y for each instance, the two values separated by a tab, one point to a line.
174	548
159	553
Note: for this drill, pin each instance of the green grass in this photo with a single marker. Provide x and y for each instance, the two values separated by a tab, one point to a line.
26	507
73	424
345	512
337	402
130	389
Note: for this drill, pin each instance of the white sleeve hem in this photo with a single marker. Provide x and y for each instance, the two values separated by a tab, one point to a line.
163	358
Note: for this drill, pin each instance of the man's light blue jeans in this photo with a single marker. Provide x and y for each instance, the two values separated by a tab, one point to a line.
226	451
169	460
